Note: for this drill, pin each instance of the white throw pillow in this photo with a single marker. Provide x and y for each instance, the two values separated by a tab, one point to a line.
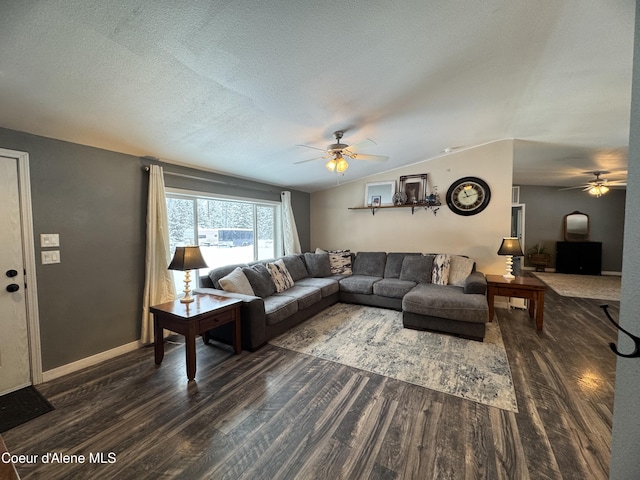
280	275
236	282
460	269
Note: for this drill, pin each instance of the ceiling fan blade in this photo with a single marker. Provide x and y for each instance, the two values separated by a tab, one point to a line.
311	160
309	146
585	187
360	145
365	156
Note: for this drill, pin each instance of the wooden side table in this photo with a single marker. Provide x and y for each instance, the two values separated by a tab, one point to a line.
521	287
192	319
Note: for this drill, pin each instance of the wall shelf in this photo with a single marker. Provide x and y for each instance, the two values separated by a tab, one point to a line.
413	207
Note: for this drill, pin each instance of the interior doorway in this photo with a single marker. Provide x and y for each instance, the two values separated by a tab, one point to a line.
20	362
517	230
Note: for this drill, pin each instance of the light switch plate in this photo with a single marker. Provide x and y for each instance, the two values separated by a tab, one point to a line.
49	240
50	256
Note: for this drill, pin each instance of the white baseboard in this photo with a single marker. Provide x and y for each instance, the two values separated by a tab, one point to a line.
89	361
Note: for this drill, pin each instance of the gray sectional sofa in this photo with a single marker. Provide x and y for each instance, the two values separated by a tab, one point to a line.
399	281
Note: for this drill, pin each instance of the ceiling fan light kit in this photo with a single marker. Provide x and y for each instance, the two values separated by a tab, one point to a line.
336	153
598	190
598	186
338	163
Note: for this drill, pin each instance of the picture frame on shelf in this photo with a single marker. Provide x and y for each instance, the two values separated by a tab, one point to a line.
375	200
415	187
383	191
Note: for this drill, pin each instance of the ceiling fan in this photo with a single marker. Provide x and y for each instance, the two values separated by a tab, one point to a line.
598	186
336	153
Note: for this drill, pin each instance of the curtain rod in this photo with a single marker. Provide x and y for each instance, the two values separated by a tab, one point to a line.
220	182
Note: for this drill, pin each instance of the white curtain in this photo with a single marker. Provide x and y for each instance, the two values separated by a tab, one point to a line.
158	286
289	230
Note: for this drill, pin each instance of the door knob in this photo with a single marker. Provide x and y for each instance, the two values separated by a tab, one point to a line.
12	273
14	287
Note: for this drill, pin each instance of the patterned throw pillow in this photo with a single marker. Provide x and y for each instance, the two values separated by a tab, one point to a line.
339	260
280	275
441	266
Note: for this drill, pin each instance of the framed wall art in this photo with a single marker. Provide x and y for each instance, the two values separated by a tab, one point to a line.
415	187
384	192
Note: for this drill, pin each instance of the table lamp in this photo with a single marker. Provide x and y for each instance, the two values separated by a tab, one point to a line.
510	247
187	259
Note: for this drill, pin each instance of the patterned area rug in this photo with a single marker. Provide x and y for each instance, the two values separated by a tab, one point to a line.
602	287
373	339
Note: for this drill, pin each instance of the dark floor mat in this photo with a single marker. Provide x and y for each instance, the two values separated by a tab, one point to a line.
21	406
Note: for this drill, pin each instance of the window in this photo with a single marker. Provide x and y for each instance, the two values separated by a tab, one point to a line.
228	230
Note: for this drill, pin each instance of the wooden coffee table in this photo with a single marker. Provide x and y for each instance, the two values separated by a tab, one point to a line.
192	319
521	287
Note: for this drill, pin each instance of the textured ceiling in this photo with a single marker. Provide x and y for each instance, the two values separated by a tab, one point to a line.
234	86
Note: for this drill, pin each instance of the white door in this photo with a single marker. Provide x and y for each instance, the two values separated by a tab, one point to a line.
15	371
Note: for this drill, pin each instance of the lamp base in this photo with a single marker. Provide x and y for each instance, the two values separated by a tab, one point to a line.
509	275
187	298
187	289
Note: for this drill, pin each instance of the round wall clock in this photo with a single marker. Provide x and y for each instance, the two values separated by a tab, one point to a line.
468	196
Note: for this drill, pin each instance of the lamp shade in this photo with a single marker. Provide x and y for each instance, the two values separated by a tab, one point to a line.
187	258
510	246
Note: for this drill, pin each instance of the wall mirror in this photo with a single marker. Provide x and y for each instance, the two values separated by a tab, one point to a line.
379	193
576	227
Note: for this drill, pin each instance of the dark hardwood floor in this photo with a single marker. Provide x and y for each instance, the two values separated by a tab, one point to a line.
279	414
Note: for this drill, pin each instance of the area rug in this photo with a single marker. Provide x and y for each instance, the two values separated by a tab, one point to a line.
21	406
602	287
373	339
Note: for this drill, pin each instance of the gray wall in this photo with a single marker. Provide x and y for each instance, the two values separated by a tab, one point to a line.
546	207
626	421
96	200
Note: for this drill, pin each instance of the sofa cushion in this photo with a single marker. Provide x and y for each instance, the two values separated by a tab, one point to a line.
305	296
278	308
461	267
394	264
318	264
217	273
260	280
446	301
392	287
236	282
370	263
417	268
441	266
295	265
280	275
328	286
358	284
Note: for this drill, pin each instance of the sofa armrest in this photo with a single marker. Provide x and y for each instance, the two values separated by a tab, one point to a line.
254	320
476	283
205	282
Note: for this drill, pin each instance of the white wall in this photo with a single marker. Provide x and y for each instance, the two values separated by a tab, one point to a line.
334	226
626	421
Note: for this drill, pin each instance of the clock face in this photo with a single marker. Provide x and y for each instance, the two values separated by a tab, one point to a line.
468	196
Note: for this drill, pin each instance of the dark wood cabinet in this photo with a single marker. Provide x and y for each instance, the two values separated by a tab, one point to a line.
584	258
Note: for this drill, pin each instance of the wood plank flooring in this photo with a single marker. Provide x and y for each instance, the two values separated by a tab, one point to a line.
277	414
